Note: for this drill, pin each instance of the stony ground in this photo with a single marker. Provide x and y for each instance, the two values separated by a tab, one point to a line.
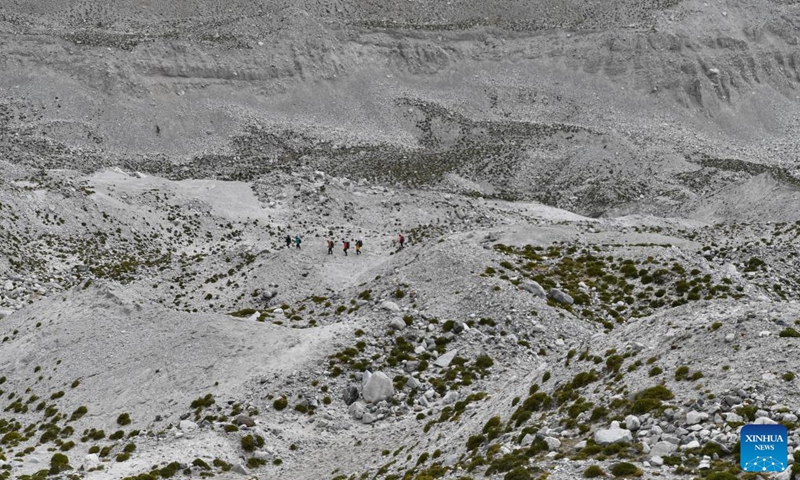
599	201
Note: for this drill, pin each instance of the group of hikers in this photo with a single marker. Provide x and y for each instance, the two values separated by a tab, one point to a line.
297	240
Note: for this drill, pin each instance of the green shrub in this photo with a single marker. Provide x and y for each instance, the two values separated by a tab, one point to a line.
655	371
59	463
614	362
625	469
251	442
254	462
491	423
748	412
483	362
280	403
789	332
788	376
475	441
659	392
203	402
593	471
78	413
365	295
518	473
169	470
124	419
681	372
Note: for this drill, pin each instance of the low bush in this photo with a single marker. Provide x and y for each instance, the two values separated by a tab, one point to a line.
625	469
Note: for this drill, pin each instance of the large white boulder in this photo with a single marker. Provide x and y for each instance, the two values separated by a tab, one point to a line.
378	387
612	435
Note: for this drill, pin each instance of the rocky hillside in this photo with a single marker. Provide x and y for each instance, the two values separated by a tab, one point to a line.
598	200
601	108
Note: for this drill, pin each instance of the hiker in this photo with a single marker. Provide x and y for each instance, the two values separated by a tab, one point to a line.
330	246
346	246
359	244
297	241
288	241
400	240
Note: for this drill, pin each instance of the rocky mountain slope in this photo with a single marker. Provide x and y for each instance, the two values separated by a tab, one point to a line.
598	200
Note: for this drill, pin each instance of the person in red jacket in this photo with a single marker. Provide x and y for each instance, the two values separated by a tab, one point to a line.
346	246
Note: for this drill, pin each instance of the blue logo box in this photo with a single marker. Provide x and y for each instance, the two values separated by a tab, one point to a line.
764	448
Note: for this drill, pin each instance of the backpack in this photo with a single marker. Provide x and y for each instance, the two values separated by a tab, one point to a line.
359	244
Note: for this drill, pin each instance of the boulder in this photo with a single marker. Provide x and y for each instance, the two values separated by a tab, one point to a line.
187	425
612	435
632	422
560	297
350	395
444	360
733	417
552	443
240	469
765	421
245	420
670	439
390	306
92	460
694	417
534	288
411	366
368	418
397	324
691	445
450	397
732	400
356	410
378	387
662	449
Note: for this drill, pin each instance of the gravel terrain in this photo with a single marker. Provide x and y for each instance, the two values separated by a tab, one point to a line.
599	207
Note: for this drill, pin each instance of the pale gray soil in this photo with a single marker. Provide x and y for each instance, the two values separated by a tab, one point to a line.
599	201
